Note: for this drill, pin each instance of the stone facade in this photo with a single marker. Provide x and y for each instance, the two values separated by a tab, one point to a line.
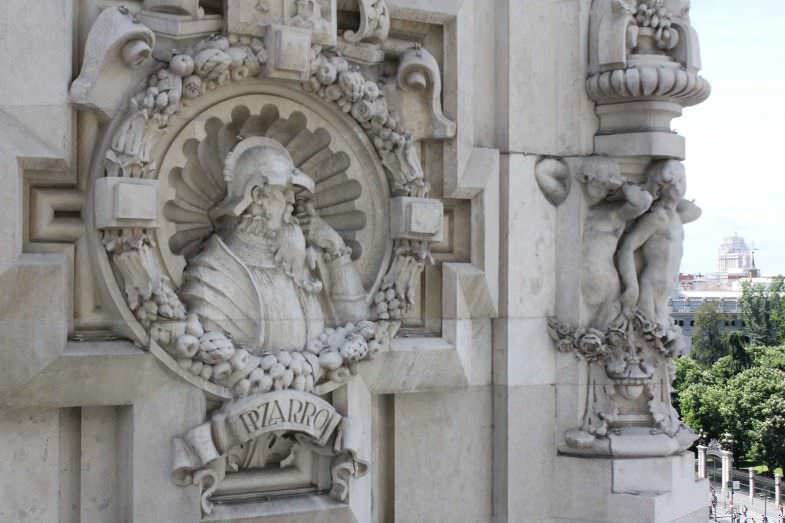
312	260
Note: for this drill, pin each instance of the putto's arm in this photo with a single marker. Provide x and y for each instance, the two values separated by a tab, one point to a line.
688	211
638	201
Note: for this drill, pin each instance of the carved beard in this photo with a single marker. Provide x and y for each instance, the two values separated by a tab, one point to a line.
290	255
256	225
288	243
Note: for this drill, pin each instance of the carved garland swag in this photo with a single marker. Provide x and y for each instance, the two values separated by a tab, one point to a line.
211	356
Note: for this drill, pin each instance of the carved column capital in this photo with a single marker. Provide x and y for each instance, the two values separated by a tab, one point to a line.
644	68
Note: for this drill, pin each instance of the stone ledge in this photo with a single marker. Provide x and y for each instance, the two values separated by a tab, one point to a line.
592	490
91	373
301	509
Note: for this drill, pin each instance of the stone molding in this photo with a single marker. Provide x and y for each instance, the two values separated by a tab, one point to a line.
224	67
644	63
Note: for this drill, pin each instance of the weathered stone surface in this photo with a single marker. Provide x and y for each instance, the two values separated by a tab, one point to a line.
421	422
257	266
30	447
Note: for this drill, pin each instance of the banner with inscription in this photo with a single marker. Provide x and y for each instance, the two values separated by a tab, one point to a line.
248	418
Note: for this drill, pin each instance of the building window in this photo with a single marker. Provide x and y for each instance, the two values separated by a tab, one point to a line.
692	323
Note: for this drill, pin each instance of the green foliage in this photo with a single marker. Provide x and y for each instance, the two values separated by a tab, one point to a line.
703	408
708	343
736	381
763	312
770	445
769	357
687	371
742	393
724	369
748	408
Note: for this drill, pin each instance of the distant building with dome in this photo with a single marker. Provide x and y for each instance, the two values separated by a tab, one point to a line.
736	257
735	265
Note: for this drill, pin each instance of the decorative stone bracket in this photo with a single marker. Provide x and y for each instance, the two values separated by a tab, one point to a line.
116	45
416	218
621	327
643	69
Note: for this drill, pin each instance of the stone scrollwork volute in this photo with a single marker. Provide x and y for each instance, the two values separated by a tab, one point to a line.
632	248
268	311
374	23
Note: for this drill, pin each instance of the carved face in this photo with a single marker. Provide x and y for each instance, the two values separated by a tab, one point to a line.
273	202
306	8
602	178
601	187
669	181
678	186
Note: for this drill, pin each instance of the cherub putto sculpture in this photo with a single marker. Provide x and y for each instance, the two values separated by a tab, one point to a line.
632	249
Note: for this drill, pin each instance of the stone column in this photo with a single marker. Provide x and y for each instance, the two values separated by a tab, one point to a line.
777	491
727	464
752	485
611	466
702	461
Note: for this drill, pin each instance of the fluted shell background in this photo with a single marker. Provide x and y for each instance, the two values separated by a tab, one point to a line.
200	186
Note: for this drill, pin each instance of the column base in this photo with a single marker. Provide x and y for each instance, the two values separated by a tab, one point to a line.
627	443
646	490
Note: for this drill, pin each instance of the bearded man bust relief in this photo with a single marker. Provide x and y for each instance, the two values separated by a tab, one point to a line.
274	272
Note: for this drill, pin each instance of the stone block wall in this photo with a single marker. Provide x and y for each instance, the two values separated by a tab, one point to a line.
465	414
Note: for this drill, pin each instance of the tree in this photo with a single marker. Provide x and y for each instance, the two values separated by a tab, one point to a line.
707	341
703	407
768	357
771	446
748	408
687	371
763	312
737	344
742	393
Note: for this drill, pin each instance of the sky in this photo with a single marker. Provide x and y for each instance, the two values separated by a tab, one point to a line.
736	139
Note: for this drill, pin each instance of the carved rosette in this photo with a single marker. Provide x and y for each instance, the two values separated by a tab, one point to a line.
161	150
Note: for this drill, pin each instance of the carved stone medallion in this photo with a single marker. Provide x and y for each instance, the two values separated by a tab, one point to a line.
262	220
